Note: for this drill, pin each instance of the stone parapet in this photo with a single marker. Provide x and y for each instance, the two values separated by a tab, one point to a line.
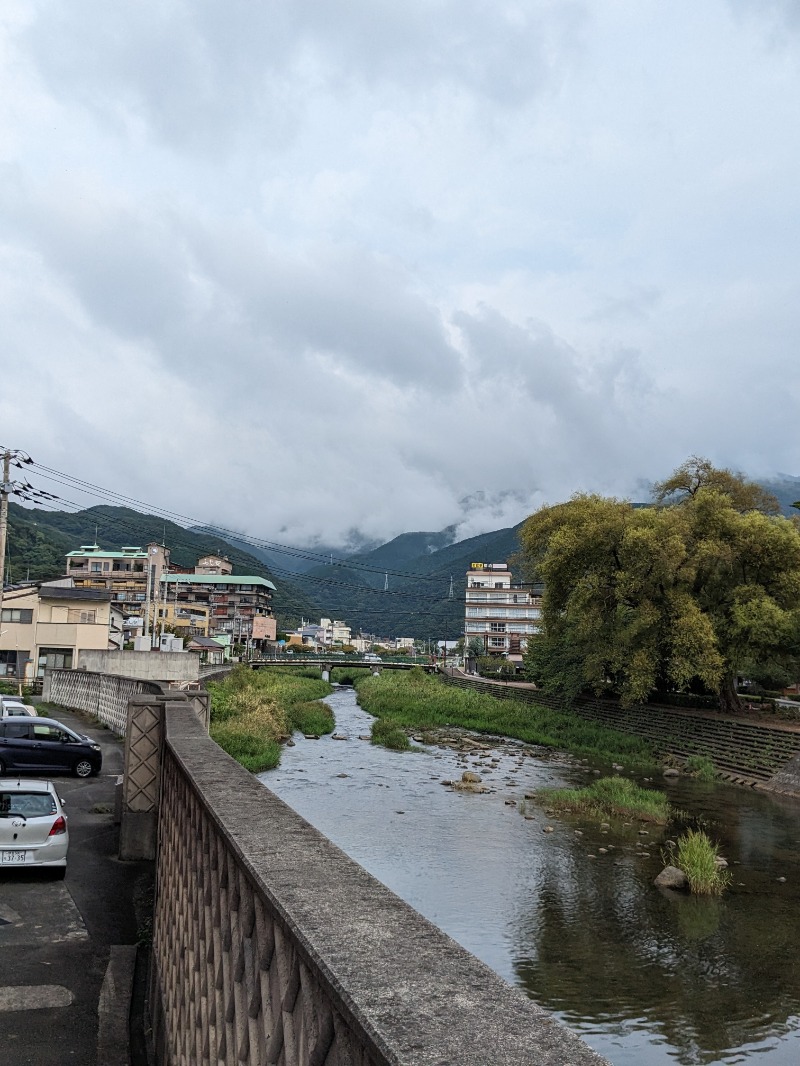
270	945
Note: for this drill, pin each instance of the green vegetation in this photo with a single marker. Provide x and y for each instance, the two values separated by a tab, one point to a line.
252	712
414	700
697	856
683	595
610	797
390	735
701	767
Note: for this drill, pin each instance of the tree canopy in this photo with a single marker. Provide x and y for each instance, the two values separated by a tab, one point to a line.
691	592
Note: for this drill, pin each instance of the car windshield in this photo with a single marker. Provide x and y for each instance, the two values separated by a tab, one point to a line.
28	804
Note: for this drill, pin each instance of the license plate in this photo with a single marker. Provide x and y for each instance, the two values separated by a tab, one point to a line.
13	858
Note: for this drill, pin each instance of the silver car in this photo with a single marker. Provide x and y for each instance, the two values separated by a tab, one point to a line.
33	826
15	705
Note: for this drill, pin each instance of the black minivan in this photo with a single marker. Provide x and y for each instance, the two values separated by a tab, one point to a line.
42	744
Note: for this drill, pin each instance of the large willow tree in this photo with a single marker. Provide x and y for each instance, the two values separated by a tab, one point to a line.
699	588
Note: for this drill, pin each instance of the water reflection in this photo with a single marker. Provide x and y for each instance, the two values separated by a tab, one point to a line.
647	977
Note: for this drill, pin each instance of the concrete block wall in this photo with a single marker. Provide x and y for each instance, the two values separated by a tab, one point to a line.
105	696
270	945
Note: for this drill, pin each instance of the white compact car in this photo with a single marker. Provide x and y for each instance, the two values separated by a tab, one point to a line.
33	826
15	705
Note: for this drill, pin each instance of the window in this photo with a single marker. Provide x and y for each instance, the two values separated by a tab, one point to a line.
96	568
497	642
106	566
17	730
54	659
497	627
18	614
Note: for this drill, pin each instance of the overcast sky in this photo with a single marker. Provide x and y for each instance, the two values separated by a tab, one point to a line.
306	267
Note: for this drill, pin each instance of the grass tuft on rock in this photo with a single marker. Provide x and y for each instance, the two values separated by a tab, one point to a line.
696	854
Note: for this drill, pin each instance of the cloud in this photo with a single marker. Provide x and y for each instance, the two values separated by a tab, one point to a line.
317	272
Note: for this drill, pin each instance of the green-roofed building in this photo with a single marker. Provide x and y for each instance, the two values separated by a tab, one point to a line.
239	605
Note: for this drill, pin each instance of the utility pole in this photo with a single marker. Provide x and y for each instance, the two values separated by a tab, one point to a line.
5	488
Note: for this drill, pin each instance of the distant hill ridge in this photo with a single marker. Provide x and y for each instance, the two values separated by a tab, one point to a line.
417	566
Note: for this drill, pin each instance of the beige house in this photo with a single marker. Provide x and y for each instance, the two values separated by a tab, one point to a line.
47	625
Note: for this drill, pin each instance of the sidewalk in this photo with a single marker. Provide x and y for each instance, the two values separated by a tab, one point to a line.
57	938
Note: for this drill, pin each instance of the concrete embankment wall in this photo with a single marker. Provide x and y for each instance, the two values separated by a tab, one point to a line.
270	945
146	665
742	752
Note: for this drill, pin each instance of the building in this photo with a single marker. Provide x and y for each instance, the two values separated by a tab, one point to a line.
238	605
47	625
185	620
131	575
500	613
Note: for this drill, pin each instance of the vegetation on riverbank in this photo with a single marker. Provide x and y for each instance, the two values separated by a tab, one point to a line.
414	700
253	712
609	797
698	856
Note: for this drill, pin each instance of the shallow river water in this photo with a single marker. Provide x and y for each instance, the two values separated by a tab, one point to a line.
648	978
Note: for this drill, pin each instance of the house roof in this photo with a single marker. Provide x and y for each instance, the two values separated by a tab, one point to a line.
205	642
217	579
62	592
95	549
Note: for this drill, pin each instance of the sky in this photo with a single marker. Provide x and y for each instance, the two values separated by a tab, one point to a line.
321	269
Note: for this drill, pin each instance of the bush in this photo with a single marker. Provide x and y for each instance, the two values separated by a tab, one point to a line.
389	735
701	767
494	666
697	856
312	718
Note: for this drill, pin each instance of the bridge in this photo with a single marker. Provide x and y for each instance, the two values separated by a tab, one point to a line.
326	664
270	946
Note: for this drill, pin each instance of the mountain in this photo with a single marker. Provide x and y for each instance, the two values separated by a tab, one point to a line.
787	490
38	541
417	602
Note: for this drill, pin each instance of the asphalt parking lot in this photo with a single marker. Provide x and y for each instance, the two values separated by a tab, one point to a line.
60	940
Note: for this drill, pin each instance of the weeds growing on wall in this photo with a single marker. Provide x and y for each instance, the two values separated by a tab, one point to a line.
253	712
415	700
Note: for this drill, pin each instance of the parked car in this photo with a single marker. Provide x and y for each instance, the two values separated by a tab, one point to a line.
44	744
33	826
371	658
15	705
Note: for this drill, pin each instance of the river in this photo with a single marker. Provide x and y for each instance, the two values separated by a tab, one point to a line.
647	977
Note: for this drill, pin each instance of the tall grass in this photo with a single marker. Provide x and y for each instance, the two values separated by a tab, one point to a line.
253	712
696	854
610	797
415	700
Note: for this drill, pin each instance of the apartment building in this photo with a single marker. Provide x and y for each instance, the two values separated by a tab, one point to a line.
131	575
239	605
499	612
48	625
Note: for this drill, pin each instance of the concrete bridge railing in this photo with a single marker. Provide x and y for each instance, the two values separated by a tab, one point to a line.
271	946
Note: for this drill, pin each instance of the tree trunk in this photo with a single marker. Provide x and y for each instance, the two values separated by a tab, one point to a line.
728	696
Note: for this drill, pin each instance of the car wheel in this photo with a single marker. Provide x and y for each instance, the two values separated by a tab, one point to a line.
2	767
83	768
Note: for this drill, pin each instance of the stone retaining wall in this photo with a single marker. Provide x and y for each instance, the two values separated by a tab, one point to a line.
271	946
742	752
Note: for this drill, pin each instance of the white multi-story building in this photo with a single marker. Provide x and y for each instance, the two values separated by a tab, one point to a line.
500	613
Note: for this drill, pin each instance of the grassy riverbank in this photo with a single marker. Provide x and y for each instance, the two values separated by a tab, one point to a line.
414	700
253	712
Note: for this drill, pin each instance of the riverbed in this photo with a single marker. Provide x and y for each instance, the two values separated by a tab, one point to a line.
567	910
